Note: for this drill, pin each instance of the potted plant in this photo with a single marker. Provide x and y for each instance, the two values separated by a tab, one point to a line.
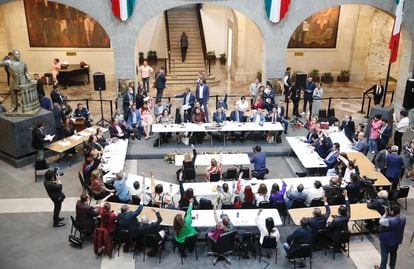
152	57
223	58
141	58
327	77
344	76
211	56
315	75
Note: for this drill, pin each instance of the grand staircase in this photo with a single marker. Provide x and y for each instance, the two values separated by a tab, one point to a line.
179	20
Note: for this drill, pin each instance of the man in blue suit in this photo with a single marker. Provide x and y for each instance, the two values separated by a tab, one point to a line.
258	117
127	220
188	98
302	235
361	145
134	122
332	157
384	134
219	116
127	101
202	95
237	116
297	195
395	166
308	93
318	221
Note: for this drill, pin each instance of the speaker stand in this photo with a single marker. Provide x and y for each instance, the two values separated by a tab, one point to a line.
102	121
296	120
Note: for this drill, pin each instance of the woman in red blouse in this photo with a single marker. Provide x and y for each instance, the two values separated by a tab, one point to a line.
258	104
108	219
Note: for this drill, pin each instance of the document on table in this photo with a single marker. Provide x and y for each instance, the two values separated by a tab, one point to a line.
64	143
49	137
76	137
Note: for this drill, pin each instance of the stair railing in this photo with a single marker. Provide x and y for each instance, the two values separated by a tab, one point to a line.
167	29
201	29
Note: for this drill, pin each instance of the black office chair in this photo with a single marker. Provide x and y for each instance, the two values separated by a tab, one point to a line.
264	204
247	243
122	237
282	209
298	204
344	238
189	243
189	174
205	204
322	115
320	239
245	171
336	200
227	205
316	202
402	194
75	239
230	174
153	241
214	177
304	251
246	205
222	247
269	242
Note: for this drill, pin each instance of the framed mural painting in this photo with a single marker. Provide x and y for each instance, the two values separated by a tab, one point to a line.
50	24
319	31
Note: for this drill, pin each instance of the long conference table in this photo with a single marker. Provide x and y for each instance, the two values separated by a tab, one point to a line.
305	153
114	156
228	126
224	159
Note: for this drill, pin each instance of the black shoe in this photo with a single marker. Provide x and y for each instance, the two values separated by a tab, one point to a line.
61	218
60	224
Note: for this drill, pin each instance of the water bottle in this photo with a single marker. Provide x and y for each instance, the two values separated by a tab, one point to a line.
237	215
233	188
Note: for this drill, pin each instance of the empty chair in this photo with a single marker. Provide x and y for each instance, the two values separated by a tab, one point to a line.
316	202
222	247
82	182
322	115
282	209
231	173
269	242
247	242
304	251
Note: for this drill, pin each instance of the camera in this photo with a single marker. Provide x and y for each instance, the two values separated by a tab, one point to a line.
58	172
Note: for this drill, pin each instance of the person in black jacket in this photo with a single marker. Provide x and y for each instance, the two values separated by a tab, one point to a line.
354	189
302	235
86	214
38	140
339	222
188	163
160	83
127	220
379	203
54	190
186	196
318	221
151	228
348	126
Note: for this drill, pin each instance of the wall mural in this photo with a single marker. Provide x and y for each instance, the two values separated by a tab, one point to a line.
50	24
318	31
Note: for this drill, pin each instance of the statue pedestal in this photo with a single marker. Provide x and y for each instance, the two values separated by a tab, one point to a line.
16	136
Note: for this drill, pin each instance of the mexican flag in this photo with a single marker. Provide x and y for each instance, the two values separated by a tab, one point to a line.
122	9
276	9
396	30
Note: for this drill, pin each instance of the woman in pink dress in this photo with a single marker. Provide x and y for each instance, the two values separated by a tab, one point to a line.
147	118
55	70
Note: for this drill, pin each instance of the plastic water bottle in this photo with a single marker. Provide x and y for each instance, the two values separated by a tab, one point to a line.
233	188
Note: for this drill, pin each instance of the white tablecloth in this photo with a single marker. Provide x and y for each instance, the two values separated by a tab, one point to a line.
114	156
239	217
305	153
224	159
226	127
339	137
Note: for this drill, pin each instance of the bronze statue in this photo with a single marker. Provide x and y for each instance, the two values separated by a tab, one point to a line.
22	84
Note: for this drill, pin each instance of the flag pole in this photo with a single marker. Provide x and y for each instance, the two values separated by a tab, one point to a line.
386	83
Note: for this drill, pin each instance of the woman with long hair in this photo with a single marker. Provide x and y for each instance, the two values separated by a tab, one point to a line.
147	118
266	227
248	195
215	167
183	228
276	195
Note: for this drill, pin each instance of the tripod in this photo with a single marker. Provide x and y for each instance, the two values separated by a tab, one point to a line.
102	120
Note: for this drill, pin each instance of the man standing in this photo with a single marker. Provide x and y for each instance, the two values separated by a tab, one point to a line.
184	41
38	140
202	96
308	93
54	190
146	71
287	83
377	91
400	128
392	231
127	102
384	135
348	127
19	73
160	83
39	85
254	89
188	98
258	159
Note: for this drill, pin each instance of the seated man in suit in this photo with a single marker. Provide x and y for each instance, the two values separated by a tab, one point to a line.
86	214
258	159
82	112
134	124
127	220
318	221
259	118
297	195
332	157
354	189
219	116
339	222
361	144
151	228
302	235
118	130
333	191
237	116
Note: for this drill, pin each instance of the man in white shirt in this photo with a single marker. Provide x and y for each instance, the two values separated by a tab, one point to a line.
314	193
145	70
400	128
